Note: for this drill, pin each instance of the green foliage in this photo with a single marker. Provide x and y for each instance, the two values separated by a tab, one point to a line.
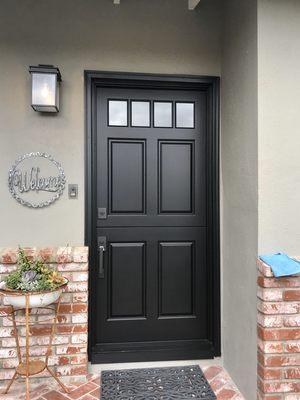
33	275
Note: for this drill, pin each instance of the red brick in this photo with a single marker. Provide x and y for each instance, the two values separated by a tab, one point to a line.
84	389
83	328
261	358
69	370
63	360
292	347
62	319
79	359
219	381
77	287
269	294
69	349
281	387
278	283
269	373
292	295
292	321
9	255
278	334
292	373
54	395
4	310
79	308
264	269
270	397
40	330
65	329
96	393
278	308
211	372
65	308
269	321
270	347
279	361
226	394
46	254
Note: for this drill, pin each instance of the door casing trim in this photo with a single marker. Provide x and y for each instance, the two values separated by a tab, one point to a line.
211	84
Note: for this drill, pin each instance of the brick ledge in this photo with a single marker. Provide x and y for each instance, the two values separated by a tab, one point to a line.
66	254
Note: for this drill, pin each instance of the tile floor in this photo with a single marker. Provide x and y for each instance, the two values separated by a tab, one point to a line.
218	378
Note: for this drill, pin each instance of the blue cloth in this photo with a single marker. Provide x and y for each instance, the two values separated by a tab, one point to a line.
281	264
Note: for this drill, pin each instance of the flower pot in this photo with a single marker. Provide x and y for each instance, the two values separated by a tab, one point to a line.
17	298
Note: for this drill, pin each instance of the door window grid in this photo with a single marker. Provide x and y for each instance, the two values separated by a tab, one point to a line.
117	112
147	114
140	113
185	114
163	114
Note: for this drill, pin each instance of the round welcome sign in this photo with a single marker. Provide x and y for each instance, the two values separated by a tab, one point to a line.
36	180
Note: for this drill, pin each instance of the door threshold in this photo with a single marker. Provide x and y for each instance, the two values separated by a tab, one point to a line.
97	368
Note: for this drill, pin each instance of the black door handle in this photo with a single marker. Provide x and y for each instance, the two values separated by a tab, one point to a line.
101	249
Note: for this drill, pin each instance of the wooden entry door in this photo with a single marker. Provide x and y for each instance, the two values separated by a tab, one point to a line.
152	292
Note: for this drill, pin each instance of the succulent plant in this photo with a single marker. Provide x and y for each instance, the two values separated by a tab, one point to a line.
33	275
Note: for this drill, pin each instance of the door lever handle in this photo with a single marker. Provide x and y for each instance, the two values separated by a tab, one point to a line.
101	249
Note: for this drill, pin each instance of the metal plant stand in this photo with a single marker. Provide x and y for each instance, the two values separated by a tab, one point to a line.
28	367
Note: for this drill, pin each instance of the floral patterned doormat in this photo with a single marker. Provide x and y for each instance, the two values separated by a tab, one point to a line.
172	383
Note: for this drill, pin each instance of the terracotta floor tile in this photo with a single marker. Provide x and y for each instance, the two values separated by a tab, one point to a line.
96	393
88	397
219	381
97	381
226	394
54	395
211	372
84	389
40	390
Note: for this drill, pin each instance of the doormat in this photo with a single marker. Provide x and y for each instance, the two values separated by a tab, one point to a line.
174	383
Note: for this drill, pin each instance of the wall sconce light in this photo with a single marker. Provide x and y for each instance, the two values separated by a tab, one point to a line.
45	81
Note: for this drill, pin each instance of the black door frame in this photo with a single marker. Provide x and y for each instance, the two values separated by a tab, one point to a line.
209	84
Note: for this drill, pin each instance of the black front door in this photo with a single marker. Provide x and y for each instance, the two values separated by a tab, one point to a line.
151	291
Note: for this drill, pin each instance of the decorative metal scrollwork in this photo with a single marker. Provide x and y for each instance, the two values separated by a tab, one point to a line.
22	182
174	383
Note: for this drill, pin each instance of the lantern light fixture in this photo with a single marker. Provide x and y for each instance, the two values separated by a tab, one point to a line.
45	82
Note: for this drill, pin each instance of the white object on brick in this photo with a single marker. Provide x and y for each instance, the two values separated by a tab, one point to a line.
35	300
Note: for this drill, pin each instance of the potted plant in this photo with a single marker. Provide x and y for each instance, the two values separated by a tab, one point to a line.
43	284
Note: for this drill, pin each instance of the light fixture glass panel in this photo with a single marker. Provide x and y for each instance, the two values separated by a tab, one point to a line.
44	89
185	115
163	114
140	113
117	113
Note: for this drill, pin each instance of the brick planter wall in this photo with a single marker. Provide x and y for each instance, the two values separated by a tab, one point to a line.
69	356
278	336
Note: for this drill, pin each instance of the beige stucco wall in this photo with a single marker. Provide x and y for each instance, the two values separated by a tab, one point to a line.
279	125
239	192
158	36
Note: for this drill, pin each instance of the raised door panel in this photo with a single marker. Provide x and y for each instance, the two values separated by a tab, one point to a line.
126	176
176	279
176	177
126	280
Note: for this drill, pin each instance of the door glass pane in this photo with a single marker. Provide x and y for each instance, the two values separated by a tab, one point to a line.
117	113
140	113
163	114
185	115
